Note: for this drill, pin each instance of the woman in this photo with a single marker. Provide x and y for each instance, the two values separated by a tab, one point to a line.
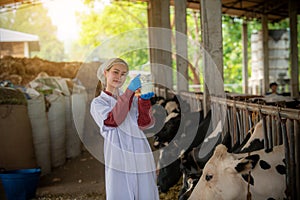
121	117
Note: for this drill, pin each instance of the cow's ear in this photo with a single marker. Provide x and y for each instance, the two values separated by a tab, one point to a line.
247	163
220	152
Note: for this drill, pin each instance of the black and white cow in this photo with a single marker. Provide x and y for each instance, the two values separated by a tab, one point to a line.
170	125
167	140
228	176
252	142
168	173
191	131
178	114
193	163
169	163
277	100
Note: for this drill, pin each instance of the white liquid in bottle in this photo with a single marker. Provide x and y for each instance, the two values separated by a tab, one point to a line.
147	83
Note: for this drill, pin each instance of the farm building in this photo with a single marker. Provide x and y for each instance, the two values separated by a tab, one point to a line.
223	115
17	44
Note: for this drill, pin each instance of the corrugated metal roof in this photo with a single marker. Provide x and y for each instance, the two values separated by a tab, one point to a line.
275	10
15	36
5	2
10	5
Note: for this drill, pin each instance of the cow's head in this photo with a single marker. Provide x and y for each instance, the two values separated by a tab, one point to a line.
168	131
171	106
227	175
212	184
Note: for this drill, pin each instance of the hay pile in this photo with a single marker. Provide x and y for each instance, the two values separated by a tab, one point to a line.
20	71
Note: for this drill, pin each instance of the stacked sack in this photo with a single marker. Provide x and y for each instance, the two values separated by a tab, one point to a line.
16	141
41	124
59	97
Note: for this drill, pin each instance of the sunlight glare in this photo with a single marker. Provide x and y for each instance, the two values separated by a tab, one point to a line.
62	13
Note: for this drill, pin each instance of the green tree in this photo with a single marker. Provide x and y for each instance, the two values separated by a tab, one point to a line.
194	33
232	47
114	20
122	16
34	20
232	52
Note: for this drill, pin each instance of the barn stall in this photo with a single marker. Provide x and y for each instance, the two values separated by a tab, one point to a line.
281	124
283	120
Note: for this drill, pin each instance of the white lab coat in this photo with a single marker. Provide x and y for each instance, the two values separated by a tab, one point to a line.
129	164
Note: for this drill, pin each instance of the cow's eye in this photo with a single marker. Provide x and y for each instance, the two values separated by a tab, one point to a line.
208	177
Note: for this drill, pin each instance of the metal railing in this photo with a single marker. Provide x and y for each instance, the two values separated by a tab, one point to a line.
281	126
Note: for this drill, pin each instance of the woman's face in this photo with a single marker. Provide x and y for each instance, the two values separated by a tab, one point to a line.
116	76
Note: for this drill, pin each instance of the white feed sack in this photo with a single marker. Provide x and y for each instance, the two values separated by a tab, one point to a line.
79	106
40	130
57	126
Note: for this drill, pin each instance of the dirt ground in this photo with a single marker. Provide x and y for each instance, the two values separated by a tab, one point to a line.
80	178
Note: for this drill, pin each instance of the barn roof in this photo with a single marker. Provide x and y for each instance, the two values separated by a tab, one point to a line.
15	36
276	10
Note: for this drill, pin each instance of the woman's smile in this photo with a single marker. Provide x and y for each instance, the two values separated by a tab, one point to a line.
118	81
116	77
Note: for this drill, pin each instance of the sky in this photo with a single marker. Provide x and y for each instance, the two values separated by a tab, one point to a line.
62	14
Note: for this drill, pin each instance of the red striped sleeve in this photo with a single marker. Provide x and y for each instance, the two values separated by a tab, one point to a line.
120	110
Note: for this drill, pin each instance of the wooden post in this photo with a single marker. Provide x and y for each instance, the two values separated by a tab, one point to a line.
165	74
245	58
160	43
181	45
153	21
297	148
294	49
26	50
211	27
265	36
